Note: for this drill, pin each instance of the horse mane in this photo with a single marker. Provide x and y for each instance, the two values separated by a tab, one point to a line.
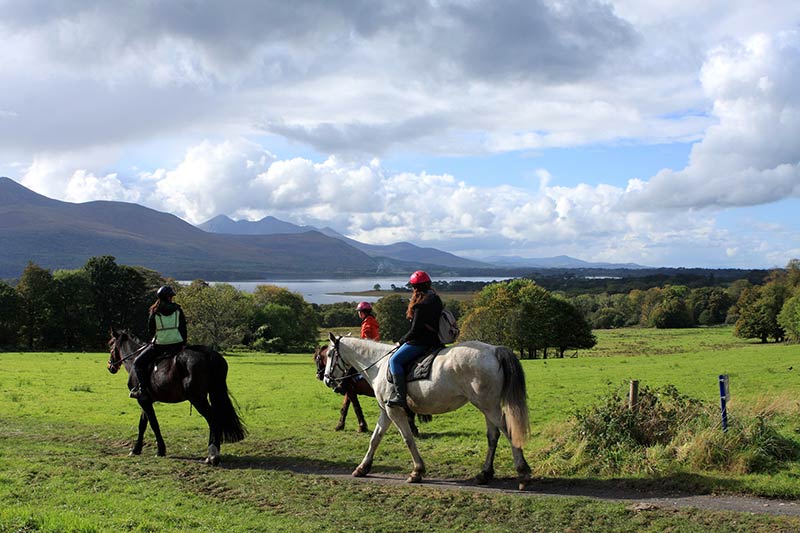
123	333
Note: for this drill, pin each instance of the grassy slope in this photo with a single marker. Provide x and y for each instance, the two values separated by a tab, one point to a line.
67	425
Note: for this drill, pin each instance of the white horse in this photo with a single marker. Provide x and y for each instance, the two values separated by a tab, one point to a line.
489	377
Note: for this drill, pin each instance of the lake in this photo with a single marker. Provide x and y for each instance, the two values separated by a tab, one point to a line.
324	291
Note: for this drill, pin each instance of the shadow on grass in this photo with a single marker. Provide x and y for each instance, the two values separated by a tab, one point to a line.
680	485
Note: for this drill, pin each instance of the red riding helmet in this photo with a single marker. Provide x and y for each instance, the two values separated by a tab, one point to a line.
420	276
364	306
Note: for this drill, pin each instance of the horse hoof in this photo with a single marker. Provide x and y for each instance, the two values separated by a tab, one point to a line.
361	471
484	478
161	453
363	429
415	477
524	482
134	453
338	428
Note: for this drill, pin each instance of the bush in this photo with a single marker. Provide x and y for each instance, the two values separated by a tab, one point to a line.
668	432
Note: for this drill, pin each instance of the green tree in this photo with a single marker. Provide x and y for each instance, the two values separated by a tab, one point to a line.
339	314
35	290
120	295
489	319
789	317
10	313
571	330
390	311
72	309
216	316
304	331
672	311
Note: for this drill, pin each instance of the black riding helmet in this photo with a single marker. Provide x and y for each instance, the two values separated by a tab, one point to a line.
165	292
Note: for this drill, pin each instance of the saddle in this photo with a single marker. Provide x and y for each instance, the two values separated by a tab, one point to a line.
419	368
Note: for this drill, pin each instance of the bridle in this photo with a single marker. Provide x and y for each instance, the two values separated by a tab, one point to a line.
115	359
336	362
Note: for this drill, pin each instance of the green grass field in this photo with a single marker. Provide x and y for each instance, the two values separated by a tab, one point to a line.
67	425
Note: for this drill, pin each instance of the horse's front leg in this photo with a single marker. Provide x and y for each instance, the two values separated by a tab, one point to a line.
362	424
343	412
377	435
147	407
399	416
137	448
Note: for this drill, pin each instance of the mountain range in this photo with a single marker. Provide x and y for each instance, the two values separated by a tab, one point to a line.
64	235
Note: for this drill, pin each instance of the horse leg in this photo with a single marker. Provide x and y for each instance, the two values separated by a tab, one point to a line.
492	436
362	424
377	435
147	407
495	416
413	425
343	412
399	416
137	448
214	437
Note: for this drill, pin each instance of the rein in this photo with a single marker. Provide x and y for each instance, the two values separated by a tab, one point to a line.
338	357
111	361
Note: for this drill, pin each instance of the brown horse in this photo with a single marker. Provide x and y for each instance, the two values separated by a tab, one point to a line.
352	387
197	374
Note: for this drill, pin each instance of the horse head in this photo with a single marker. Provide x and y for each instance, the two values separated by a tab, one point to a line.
114	357
321	359
122	347
336	370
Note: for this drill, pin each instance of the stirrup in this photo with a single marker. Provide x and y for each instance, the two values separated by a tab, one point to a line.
136	393
397	401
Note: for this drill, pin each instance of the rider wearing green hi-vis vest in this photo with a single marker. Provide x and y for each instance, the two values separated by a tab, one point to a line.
167	326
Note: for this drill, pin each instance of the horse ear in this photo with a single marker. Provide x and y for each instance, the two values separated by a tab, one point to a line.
112	331
332	337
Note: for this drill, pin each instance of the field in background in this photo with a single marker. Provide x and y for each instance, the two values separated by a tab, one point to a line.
68	424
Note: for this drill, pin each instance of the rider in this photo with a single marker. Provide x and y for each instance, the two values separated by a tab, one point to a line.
424	311
167	326
369	324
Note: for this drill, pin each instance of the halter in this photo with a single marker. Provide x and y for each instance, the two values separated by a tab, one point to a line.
337	362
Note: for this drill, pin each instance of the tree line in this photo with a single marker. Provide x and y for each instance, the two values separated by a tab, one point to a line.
74	310
766	311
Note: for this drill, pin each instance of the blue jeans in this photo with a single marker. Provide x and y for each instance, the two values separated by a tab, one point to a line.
404	355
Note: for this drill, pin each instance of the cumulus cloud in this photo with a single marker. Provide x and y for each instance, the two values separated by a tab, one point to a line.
751	156
90	82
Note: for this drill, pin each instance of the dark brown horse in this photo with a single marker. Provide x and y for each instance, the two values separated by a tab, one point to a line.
197	375
352	388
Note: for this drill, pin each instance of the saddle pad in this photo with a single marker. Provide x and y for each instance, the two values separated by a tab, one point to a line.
419	368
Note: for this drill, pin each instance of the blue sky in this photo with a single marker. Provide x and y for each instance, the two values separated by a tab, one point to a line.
662	133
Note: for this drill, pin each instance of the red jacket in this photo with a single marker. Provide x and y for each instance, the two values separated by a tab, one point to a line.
370	329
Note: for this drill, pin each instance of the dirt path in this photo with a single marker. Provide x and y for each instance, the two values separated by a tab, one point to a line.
637	499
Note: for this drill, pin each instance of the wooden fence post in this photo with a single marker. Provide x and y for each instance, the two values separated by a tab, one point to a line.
633	395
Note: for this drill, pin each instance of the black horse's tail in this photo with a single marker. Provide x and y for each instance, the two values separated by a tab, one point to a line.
225	414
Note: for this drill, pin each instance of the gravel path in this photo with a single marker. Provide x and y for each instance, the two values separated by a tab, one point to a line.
638	499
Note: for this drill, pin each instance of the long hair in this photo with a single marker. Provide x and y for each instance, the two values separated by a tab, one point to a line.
420	290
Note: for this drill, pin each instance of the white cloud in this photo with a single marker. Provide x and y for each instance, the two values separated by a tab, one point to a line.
751	156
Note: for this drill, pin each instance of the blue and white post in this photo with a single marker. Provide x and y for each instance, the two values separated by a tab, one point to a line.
724	396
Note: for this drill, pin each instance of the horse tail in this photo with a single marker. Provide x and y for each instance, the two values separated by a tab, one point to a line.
514	397
231	427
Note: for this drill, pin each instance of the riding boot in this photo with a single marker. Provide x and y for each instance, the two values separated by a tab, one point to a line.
140	390
398	397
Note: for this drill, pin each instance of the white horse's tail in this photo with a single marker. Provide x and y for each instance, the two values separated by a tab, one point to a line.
514	396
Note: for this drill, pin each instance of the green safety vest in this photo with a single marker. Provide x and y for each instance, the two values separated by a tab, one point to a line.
167	329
